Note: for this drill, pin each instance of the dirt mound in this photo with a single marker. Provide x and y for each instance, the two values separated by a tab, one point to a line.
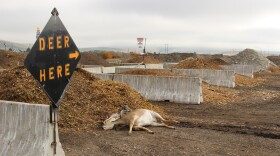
155	72
139	59
197	63
274	59
87	100
250	57
93	58
9	59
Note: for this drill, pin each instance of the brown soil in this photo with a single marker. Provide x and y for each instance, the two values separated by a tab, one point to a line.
9	59
87	100
155	72
139	59
197	63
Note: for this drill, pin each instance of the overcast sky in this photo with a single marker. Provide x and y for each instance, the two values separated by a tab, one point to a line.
221	24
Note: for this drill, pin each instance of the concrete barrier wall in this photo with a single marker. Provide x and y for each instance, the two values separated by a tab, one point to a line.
108	70
91	66
132	66
94	70
168	65
224	78
25	130
129	64
157	88
154	66
121	70
258	68
246	70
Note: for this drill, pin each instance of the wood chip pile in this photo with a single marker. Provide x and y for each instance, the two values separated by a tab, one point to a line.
155	72
274	69
93	58
139	59
9	59
219	61
219	95
87	100
241	80
197	63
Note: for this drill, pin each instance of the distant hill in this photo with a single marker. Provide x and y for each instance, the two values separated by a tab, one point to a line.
13	45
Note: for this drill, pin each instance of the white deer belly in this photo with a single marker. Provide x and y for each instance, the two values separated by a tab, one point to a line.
145	120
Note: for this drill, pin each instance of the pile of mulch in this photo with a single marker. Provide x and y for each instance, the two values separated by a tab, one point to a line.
274	69
220	95
197	63
219	61
241	80
9	59
139	59
93	58
86	103
155	72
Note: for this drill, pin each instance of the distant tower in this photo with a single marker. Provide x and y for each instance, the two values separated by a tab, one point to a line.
38	32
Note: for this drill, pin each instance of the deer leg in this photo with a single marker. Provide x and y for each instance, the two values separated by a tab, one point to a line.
162	125
131	126
143	128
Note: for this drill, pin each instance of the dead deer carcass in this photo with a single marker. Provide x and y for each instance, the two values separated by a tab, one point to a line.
136	119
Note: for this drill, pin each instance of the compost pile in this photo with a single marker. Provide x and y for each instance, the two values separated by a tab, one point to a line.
156	72
250	57
274	69
219	95
197	63
241	80
139	59
219	61
93	58
9	59
87	100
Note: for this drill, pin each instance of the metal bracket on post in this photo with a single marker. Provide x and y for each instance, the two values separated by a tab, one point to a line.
53	119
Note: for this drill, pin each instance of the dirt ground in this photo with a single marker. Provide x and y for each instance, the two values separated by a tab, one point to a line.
249	127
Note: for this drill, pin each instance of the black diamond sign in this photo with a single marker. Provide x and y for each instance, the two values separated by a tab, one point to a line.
53	58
